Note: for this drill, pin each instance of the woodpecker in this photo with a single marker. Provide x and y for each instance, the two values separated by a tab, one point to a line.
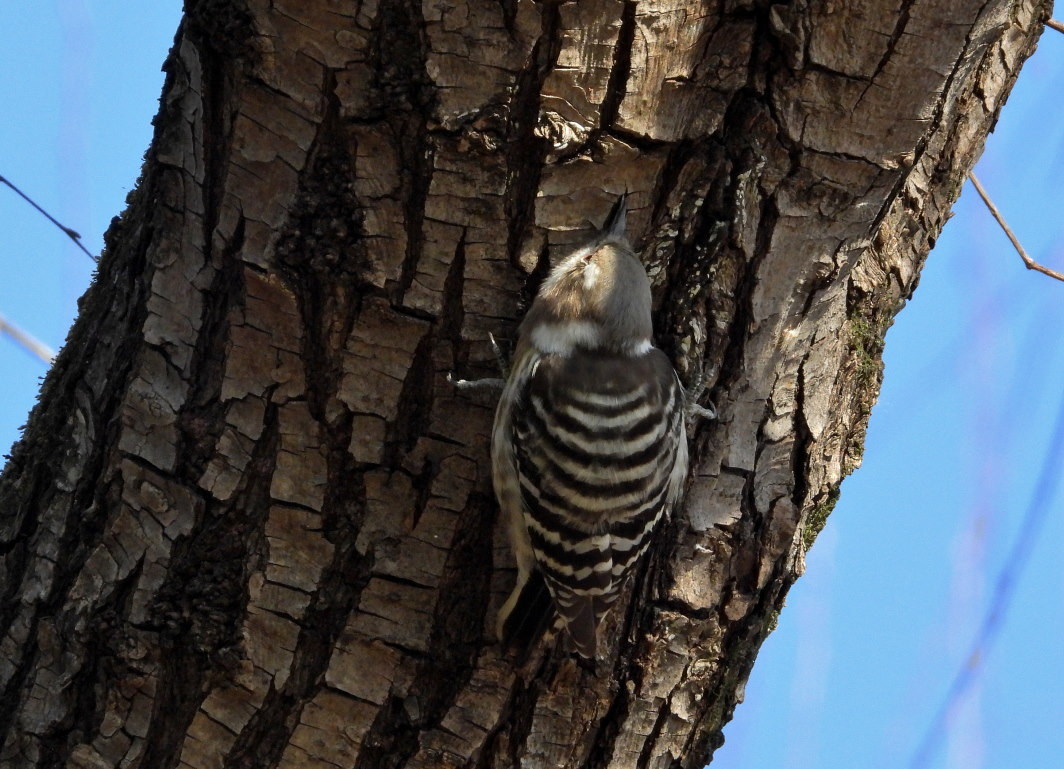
589	446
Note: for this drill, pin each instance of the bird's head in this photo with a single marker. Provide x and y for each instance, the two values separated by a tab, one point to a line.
597	297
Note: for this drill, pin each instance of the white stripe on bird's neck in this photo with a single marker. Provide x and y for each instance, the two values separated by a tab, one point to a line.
562	337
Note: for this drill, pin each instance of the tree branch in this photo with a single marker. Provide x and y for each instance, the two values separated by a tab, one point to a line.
33	345
1027	260
74	235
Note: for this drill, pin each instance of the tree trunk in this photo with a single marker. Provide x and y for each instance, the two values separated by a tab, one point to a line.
250	524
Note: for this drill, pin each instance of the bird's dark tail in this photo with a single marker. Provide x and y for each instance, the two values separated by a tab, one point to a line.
530	617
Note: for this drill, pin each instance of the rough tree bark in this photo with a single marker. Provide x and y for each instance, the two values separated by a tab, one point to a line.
250	524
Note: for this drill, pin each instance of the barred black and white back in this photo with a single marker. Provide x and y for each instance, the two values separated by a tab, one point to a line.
589	449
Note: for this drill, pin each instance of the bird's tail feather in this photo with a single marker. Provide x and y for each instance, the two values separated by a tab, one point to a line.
531	615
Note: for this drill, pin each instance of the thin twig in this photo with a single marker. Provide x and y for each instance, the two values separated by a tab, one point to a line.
36	347
1038	510
1031	263
72	234
1054	24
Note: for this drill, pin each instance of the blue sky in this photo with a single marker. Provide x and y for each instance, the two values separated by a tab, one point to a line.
901	578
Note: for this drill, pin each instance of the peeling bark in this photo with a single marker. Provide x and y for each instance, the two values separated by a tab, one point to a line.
251	525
